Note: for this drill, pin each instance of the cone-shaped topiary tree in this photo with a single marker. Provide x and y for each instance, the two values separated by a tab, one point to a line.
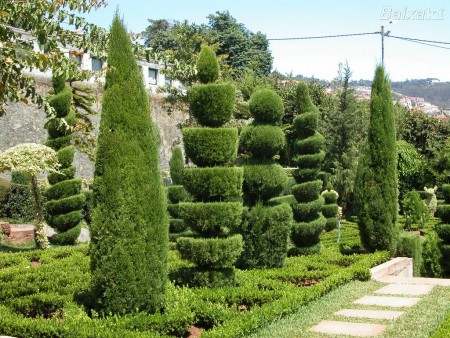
376	189
266	229
308	157
65	201
330	209
443	229
129	229
176	193
215	184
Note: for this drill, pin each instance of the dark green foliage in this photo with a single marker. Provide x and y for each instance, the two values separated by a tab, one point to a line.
376	182
330	197
20	178
63	189
212	104
66	174
59	142
310	145
173	210
331	224
266	106
289	199
177	193
87	208
415	210
64	205
129	228
262	141
443	212
56	127
263	180
213	184
176	166
446	193
176	226
307	234
211	252
39	305
409	245
19	203
443	231
204	277
211	146
330	210
207	65
307	192
211	219
307	155
66	238
5	186
62	101
266	232
58	83
65	156
66	221
445	258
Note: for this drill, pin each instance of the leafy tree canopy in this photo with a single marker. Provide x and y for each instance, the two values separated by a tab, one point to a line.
50	23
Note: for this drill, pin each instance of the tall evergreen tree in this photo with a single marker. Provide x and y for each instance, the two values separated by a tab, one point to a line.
376	190
129	227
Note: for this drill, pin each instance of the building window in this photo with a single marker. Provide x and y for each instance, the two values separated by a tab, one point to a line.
97	64
167	81
152	76
76	56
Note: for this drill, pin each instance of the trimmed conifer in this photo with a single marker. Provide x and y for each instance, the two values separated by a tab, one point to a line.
214	215
266	229
376	189
61	212
129	229
308	157
443	229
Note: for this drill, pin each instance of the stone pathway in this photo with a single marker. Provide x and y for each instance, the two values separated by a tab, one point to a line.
401	293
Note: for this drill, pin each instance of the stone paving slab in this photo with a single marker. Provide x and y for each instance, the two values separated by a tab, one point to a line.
350	329
415	280
388	301
406	289
373	314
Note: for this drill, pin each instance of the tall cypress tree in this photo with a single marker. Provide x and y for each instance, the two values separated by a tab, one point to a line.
129	227
376	189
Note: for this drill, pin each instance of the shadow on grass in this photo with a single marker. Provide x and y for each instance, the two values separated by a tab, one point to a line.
7	247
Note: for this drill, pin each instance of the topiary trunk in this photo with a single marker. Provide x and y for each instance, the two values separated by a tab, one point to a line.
376	189
129	228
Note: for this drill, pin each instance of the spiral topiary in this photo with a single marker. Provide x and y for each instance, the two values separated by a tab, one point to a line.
330	209
266	229
215	185
65	201
309	222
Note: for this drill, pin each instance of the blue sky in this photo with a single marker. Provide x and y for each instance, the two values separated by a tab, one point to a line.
296	18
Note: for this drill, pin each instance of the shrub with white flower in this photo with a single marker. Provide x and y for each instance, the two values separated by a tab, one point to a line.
32	159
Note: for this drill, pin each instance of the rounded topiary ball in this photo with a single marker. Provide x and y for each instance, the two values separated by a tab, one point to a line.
266	106
207	66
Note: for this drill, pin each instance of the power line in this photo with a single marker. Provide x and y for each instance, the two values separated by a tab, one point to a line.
322	37
417	41
420	40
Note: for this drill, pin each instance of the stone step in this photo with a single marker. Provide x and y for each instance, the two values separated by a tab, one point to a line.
350	329
20	233
388	301
415	280
372	314
399	266
405	289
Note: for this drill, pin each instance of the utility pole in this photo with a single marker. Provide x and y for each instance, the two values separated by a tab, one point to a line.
382	46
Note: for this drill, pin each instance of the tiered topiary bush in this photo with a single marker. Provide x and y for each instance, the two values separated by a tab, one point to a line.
308	157
215	184
176	193
330	209
266	229
65	201
443	229
129	228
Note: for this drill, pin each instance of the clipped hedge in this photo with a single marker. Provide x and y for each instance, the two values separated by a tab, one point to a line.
177	193
211	146
263	180
307	211
62	101
59	142
176	166
211	219
207	65
212	104
330	210
211	252
63	189
66	238
443	231
409	245
307	191
64	222
309	160
65	156
65	174
65	205
214	184
310	145
443	212
262	141
307	234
